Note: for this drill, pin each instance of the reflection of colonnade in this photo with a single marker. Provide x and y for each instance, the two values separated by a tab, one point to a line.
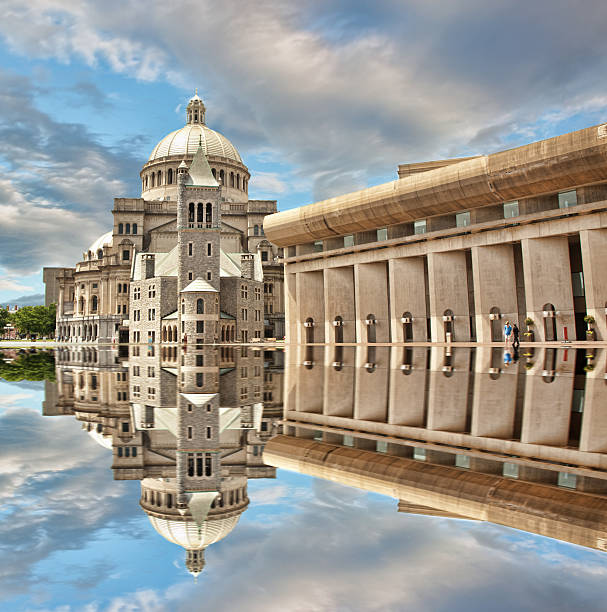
455	432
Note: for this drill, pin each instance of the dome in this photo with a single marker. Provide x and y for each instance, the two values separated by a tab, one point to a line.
105	240
188	535
185	142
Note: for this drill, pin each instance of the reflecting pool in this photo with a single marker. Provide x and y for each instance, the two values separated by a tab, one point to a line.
322	478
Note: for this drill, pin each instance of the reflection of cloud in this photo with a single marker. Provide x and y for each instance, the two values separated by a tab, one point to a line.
58	491
10	399
333	556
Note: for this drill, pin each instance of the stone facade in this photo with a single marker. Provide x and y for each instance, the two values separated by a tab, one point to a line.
453	249
209	241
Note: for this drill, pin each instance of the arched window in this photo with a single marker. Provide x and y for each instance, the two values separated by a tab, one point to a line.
134	228
256	230
200	306
146	182
191	213
159	182
128	228
199	379
549	322
407	321
170	176
214	172
182	306
371	322
238	181
200	213
209	211
94	303
231	179
120	228
153	178
448	325
222	177
100	254
309	327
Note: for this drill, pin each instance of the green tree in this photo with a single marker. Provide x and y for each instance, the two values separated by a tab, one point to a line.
29	366
38	320
5	318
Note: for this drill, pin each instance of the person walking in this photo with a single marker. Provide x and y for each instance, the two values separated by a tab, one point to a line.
507	333
515	336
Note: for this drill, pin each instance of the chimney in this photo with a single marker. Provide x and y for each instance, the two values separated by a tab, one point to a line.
247	266
149	265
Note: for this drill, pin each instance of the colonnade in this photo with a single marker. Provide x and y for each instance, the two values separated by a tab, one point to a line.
459	289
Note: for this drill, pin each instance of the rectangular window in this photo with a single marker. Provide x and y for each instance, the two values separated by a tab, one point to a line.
126	255
349	241
209	275
462	219
577	284
209	249
190	275
318	246
419	227
200	327
264	256
125	427
151	372
207	466
199	361
190	249
567	199
209	433
511	209
382	234
190	432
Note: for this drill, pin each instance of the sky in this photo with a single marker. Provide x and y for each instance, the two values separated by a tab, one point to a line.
320	97
74	540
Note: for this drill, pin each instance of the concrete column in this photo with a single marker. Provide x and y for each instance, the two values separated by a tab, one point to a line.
494	404
593	245
547	410
371	388
339	390
548	281
308	383
494	287
406	404
448	393
371	297
294	326
448	288
593	437
407	294
310	302
339	302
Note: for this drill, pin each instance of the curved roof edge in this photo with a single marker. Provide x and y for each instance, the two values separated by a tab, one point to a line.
556	164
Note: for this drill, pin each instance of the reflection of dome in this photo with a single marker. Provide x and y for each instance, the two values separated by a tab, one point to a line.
187	534
102	241
185	142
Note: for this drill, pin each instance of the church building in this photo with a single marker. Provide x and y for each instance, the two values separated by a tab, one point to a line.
187	261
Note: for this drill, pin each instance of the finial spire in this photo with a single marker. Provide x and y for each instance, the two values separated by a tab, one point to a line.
196	91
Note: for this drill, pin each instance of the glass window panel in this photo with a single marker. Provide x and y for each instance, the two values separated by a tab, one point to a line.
382	234
348	241
577	284
510	470
567	199
382	446
462	219
511	209
567	480
419	454
419	227
462	461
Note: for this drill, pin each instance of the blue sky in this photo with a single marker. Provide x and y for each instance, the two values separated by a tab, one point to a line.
73	539
320	98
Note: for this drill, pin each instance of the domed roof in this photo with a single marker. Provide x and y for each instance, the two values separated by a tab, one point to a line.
102	241
186	140
188	535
